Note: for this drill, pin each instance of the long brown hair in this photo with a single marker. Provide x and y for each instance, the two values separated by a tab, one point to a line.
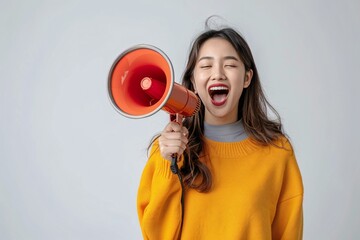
252	110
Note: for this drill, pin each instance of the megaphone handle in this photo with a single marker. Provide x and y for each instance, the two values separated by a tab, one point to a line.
176	117
174	167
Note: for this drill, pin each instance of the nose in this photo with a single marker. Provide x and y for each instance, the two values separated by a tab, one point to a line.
218	73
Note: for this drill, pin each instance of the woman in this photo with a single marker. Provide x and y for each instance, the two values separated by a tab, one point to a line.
240	176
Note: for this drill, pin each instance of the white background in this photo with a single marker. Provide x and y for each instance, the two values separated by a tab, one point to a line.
70	164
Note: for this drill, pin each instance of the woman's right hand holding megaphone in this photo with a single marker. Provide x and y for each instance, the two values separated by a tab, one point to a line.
173	140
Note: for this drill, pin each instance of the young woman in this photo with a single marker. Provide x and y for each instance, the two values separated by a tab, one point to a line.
239	174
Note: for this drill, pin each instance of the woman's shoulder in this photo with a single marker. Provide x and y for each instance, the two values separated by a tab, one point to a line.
279	149
282	150
284	143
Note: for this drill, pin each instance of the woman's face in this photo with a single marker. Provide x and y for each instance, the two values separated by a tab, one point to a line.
219	79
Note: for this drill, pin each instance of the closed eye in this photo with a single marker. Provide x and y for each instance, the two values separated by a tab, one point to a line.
205	66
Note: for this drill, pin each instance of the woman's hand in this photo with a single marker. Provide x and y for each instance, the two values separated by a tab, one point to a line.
173	140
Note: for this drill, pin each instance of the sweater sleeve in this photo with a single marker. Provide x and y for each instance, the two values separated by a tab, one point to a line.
288	220
159	199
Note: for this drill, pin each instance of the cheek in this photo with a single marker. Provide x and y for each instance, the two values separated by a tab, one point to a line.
200	87
237	94
201	75
199	81
202	92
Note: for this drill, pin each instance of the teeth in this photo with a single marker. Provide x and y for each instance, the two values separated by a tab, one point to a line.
218	88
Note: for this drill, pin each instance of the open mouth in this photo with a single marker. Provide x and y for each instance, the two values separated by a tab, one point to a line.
218	94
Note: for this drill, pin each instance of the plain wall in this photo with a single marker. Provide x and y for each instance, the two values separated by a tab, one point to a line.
70	164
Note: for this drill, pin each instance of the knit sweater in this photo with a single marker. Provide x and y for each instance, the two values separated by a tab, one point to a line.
257	193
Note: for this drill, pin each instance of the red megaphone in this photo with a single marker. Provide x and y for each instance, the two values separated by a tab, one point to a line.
141	82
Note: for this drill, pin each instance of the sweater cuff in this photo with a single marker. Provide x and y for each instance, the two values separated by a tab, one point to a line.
163	167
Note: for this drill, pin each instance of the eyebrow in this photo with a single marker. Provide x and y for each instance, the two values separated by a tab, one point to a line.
225	58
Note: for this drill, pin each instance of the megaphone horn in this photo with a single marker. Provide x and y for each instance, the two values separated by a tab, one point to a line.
141	82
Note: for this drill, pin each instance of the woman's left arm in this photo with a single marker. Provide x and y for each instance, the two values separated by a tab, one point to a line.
288	220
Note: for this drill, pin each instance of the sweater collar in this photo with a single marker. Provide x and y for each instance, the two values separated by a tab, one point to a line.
233	132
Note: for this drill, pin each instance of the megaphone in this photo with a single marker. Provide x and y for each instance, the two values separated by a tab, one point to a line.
141	82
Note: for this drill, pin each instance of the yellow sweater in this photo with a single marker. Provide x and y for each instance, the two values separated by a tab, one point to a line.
257	194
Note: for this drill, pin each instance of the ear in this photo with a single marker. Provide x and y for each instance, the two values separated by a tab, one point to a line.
248	77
